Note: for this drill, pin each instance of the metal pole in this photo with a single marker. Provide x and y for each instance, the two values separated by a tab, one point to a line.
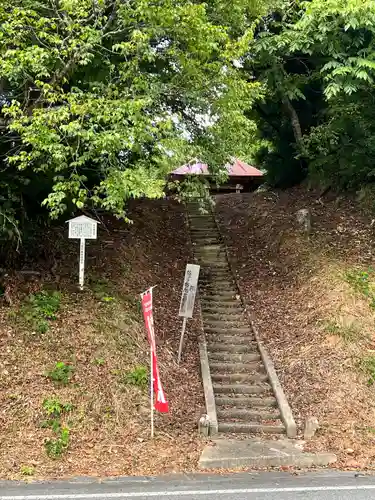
81	263
181	340
152	392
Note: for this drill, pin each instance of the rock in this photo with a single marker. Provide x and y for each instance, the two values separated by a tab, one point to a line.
263	188
349	451
304	219
311	426
204	426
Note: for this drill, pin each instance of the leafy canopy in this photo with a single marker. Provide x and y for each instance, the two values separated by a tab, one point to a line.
102	98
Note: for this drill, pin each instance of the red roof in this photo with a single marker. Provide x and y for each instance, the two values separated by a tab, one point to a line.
237	169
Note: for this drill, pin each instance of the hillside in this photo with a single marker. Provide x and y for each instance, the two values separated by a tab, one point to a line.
99	389
312	298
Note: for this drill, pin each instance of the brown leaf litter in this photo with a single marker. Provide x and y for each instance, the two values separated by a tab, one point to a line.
110	423
317	328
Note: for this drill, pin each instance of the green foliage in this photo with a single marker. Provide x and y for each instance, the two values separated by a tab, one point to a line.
368	367
99	361
55	410
40	309
99	101
138	376
348	333
362	283
27	470
55	447
61	373
317	61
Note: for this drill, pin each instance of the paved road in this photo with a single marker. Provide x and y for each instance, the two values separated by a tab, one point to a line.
265	486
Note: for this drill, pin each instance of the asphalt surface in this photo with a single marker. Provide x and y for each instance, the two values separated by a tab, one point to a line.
244	486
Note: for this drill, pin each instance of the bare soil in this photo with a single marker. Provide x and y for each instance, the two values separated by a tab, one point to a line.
317	324
100	333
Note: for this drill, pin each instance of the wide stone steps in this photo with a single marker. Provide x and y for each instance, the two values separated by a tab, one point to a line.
250	428
227	330
224	339
233	357
217	347
239	401
259	415
244	399
234	378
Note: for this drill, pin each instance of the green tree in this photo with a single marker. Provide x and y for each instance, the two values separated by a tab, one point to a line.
316	59
100	99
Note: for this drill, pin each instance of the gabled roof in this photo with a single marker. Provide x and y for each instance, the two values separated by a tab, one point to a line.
237	169
83	218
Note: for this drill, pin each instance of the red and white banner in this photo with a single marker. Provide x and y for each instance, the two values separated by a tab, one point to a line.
161	404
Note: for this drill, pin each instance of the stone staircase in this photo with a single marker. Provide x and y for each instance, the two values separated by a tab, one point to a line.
244	398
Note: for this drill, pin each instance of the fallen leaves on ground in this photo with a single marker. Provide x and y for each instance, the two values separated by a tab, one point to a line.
100	332
316	327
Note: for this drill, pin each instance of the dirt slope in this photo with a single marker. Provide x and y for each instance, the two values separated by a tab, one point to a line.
100	335
312	298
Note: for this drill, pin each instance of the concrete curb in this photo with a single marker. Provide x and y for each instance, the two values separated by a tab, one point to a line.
285	410
305	460
208	389
203	356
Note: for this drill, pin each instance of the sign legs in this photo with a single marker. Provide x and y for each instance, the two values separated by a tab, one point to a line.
81	263
184	321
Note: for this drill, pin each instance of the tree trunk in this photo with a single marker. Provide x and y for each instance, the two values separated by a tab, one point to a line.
294	119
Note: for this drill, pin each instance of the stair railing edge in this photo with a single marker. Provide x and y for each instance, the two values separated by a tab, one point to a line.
208	389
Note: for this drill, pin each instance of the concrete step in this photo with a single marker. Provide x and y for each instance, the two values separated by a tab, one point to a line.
214	264
232	348
220	294
212	279
219	298
227	316
220	367
197	242
231	378
241	388
240	401
250	428
221	306
222	339
230	357
225	324
248	415
228	330
218	283
223	289
212	248
223	311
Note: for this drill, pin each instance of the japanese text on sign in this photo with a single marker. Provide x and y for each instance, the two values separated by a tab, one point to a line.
189	290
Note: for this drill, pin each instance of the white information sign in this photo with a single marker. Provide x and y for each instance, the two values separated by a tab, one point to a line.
189	291
82	228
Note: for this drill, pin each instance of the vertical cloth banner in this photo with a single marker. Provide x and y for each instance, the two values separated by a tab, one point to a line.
161	403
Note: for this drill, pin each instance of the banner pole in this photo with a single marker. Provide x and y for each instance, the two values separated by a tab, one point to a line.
152	391
184	321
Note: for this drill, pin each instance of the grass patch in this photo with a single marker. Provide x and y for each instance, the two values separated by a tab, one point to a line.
27	470
367	365
61	373
99	361
103	290
40	309
348	333
138	377
363	283
55	410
